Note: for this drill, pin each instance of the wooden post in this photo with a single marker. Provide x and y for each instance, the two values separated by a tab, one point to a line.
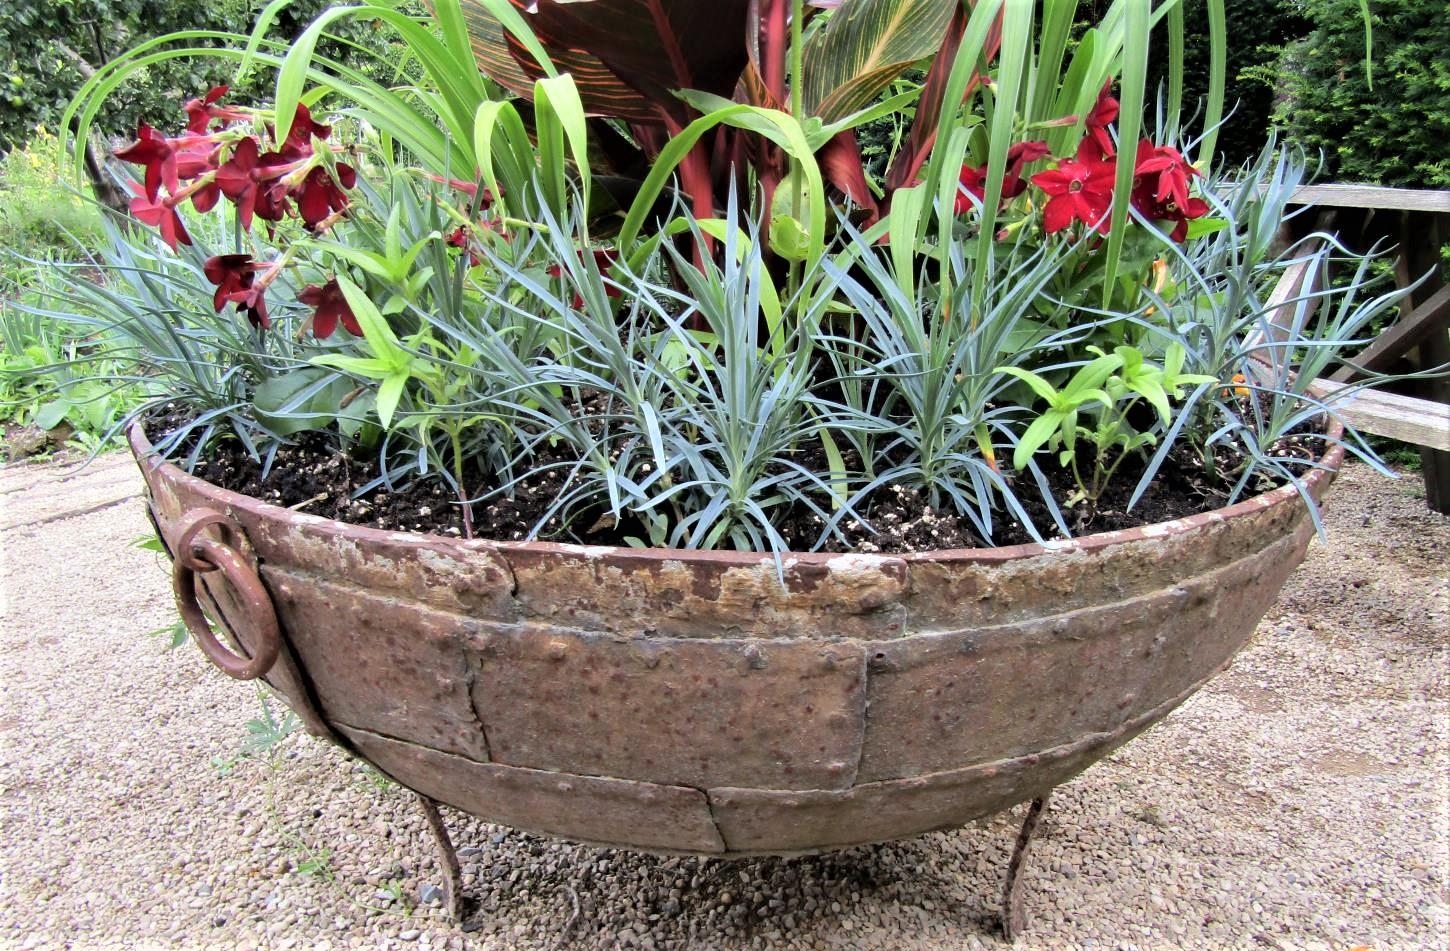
1423	254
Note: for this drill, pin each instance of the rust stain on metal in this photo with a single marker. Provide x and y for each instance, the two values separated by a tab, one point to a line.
627	592
691	701
596	810
380	663
678	711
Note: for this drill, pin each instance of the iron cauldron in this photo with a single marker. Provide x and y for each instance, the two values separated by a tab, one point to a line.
682	701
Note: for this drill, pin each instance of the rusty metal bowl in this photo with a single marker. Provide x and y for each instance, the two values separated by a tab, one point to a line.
688	701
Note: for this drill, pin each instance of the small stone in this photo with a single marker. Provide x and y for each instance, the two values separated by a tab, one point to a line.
429	893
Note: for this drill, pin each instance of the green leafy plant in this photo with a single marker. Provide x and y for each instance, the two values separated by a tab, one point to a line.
1388	127
627	256
265	735
1106	390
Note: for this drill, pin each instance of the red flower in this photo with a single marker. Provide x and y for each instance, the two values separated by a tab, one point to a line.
230	273
1104	113
194	155
331	307
1078	189
252	302
237	179
1019	155
154	151
1172	171
319	195
248	180
234	275
299	137
1160	187
200	112
461	237
162	215
973	182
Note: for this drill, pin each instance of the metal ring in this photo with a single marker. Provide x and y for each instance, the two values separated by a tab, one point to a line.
190	526
211	555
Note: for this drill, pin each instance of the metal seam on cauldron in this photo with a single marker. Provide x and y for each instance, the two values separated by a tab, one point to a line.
1164	561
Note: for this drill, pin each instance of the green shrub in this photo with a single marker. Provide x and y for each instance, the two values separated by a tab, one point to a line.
40	216
1257	30
48	49
1394	133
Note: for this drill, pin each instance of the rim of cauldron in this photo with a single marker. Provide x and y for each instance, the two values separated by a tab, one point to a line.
1314	484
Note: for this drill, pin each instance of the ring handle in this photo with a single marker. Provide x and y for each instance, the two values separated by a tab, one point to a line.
195	554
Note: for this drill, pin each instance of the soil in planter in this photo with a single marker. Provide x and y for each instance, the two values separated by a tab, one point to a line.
313	476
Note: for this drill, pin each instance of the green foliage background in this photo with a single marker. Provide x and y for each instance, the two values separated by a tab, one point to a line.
48	47
1396	133
1257	30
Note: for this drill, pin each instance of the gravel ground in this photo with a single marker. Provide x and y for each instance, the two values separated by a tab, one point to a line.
1299	801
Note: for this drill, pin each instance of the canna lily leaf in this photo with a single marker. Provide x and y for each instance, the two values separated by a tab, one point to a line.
864	46
626	56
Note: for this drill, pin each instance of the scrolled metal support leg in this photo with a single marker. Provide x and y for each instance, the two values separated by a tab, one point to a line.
447	858
1014	916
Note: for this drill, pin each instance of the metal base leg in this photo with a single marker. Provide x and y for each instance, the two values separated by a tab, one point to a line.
1014	916
447	858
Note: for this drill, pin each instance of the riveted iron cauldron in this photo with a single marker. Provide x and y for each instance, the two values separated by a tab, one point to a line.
690	702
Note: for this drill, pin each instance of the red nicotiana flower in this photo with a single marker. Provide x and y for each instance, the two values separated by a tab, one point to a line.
1160	187
1105	112
331	308
973	182
154	151
253	302
235	278
194	155
196	162
201	111
1019	156
230	273
161	215
1164	171
249	179
237	179
461	237
299	138
319	195
1079	189
261	185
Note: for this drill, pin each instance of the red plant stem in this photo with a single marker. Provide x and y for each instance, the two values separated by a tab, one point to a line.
695	179
467	513
773	50
672	46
